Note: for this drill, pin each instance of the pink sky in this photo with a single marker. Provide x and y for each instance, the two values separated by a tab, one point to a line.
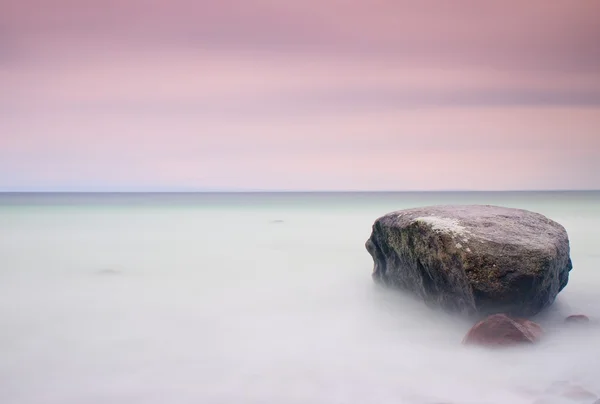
310	95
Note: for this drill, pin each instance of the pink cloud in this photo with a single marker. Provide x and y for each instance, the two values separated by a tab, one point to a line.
301	95
433	148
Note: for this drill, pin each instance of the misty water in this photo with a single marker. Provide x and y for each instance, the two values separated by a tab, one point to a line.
258	298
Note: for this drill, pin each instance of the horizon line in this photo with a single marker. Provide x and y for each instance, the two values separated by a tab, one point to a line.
258	191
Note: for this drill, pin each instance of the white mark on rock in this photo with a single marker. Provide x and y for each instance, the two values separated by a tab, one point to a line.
458	245
468	249
441	224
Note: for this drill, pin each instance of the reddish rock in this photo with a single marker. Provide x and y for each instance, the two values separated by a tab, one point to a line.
577	318
578	393
534	328
501	330
571	391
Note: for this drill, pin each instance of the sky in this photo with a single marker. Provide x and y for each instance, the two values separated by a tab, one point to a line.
132	95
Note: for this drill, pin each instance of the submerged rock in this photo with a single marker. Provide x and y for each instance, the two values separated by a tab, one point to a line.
571	392
580	394
476	259
501	330
577	318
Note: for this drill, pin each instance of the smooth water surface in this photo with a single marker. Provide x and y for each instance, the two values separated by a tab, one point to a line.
257	298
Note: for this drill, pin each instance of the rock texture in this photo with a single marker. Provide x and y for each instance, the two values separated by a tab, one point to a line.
501	330
474	259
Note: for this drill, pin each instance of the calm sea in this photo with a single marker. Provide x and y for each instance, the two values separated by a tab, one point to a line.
258	298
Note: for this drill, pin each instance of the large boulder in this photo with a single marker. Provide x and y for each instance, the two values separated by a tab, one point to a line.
474	259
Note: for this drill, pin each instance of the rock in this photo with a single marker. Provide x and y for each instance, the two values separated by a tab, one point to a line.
577	318
572	392
580	394
475	259
501	330
533	328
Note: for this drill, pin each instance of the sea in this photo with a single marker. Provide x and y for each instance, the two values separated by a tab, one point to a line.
234	298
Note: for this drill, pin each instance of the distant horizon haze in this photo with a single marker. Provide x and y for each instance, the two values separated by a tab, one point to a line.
282	191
